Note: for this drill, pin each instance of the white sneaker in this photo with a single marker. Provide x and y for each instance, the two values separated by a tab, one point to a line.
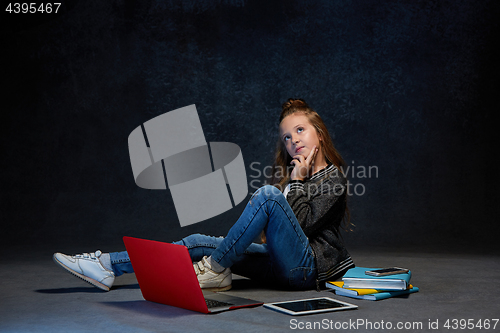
210	280
87	266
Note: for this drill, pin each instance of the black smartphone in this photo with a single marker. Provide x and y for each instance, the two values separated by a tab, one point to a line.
387	271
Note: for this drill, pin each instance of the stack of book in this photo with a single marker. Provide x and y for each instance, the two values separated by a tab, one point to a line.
357	284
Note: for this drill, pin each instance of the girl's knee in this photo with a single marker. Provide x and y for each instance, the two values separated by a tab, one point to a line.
269	191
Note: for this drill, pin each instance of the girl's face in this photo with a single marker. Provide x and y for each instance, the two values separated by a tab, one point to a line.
299	137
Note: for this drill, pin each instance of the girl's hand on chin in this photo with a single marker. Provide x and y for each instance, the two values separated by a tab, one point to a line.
302	165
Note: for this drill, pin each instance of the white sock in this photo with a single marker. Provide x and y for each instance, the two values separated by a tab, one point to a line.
215	266
106	261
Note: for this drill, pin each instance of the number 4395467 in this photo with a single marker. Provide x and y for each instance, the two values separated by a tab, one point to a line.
32	7
471	324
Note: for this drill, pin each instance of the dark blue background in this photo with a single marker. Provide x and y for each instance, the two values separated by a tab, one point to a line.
407	86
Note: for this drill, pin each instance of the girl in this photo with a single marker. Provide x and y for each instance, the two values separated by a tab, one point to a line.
302	245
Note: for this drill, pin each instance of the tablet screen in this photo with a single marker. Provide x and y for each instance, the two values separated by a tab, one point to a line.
310	305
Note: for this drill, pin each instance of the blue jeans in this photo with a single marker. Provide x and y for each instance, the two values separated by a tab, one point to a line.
286	260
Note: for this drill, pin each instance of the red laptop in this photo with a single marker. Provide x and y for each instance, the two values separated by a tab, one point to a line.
166	275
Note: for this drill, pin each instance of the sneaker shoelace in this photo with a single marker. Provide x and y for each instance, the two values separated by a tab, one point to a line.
200	267
93	256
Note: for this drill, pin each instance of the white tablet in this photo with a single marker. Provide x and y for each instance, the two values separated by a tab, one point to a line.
310	306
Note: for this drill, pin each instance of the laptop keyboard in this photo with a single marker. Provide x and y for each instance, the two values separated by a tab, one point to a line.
214	304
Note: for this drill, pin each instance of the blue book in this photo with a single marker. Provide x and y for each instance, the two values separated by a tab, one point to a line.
356	278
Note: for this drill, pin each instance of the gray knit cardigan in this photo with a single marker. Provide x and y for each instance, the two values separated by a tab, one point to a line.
319	203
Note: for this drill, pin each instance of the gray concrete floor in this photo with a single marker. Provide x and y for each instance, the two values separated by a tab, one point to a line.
38	296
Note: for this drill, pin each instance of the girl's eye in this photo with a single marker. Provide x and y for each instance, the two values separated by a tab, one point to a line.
286	138
300	129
